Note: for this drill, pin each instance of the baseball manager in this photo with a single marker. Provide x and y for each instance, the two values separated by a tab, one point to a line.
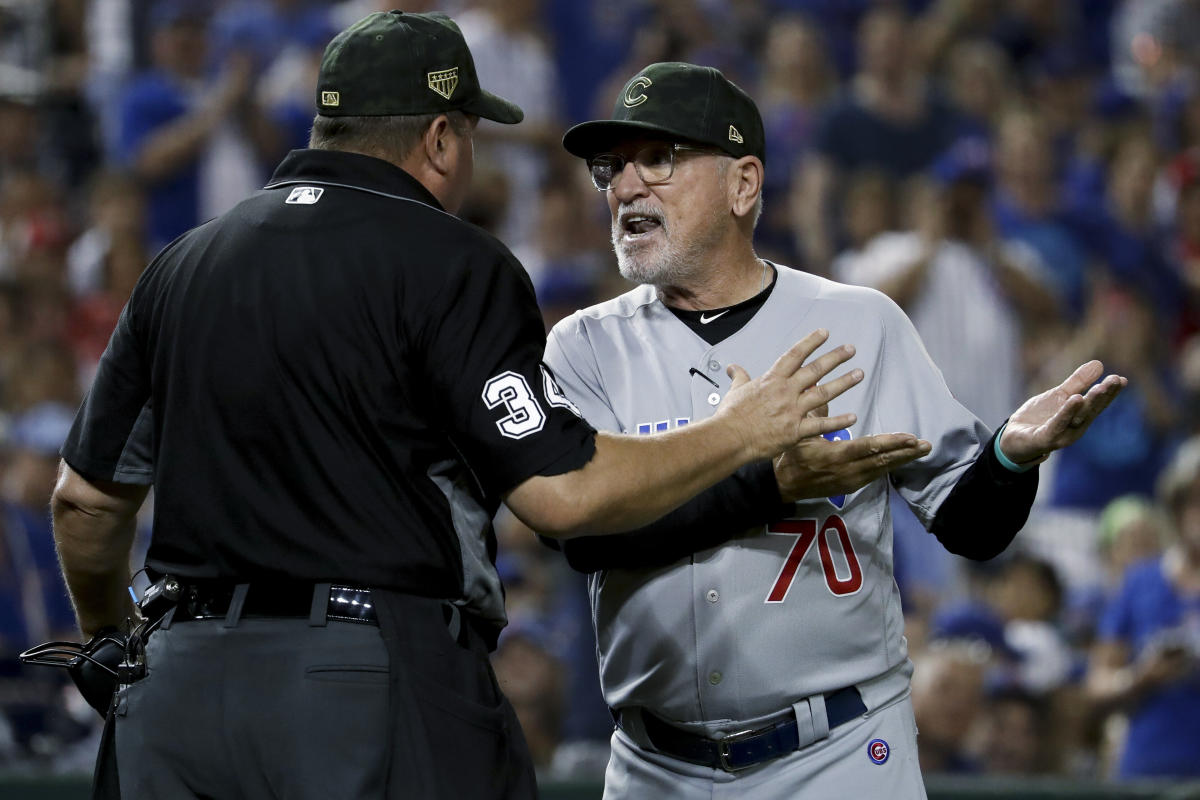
773	665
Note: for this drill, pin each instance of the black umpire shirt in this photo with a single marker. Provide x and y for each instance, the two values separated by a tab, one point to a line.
336	380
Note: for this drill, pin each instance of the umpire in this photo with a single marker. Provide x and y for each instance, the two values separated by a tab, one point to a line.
330	388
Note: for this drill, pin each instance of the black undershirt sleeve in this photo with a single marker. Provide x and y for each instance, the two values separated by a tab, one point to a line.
978	519
747	498
986	508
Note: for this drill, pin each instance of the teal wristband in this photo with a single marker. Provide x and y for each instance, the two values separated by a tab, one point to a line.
1004	460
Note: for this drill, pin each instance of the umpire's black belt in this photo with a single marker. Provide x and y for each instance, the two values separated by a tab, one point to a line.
743	749
221	600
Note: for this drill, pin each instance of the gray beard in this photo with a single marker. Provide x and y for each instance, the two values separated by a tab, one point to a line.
671	263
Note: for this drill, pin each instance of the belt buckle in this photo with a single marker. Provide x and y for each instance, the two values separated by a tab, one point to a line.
733	738
350	604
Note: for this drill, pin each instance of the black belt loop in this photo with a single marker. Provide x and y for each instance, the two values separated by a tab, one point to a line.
454	621
168	618
235	605
318	613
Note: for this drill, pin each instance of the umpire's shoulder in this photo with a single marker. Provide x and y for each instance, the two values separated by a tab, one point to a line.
463	249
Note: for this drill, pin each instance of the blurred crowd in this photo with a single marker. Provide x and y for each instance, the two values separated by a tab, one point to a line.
1023	177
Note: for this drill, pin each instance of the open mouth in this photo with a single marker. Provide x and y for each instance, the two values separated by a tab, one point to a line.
634	225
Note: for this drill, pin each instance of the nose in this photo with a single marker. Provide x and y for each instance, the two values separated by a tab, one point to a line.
628	184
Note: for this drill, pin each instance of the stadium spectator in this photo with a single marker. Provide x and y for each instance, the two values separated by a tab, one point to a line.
965	290
890	119
947	696
34	605
1026	204
1011	734
980	86
1132	529
1123	234
510	47
191	140
798	81
1145	660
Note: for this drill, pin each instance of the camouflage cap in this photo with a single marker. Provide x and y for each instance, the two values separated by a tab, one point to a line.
390	63
678	101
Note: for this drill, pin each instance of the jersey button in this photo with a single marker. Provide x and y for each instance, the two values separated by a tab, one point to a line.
714	398
714	365
714	678
713	595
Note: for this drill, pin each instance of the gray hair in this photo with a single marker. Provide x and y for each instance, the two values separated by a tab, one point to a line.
390	138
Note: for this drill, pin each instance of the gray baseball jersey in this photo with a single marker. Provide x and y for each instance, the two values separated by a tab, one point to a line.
806	605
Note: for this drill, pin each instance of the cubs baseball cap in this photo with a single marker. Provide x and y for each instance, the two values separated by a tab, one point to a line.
392	63
679	101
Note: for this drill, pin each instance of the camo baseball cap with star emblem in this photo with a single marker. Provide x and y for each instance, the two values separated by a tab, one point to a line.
392	63
675	100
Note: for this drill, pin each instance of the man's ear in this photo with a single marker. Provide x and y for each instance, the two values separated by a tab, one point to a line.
745	184
438	147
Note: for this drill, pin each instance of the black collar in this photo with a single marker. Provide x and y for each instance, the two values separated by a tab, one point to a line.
339	168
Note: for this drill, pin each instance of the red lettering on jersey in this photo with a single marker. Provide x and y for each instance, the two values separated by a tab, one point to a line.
805	531
837	585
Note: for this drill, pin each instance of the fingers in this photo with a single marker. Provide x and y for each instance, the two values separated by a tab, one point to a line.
820	395
1098	398
886	451
787	364
879	444
1083	377
817	426
820	367
738	375
1058	424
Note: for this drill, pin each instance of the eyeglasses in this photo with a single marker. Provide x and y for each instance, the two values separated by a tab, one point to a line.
654	163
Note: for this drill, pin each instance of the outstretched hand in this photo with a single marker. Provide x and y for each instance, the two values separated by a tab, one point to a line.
1058	417
817	467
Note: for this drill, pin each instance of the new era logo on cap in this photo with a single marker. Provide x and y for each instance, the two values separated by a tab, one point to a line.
330	99
735	136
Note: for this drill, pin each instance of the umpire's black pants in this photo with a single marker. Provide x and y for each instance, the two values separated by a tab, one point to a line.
278	708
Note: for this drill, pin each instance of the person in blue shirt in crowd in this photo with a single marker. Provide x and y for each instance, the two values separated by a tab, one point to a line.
194	141
34	605
1147	653
1141	429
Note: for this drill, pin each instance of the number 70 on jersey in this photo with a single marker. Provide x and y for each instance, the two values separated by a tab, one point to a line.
843	579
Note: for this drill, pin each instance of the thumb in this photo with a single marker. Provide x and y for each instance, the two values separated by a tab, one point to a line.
739	375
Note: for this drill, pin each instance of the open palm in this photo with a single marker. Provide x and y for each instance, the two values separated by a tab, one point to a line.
1058	417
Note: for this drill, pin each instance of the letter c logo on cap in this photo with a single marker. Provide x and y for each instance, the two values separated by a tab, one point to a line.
632	97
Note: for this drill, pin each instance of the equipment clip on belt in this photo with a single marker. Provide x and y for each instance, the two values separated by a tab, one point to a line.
110	658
